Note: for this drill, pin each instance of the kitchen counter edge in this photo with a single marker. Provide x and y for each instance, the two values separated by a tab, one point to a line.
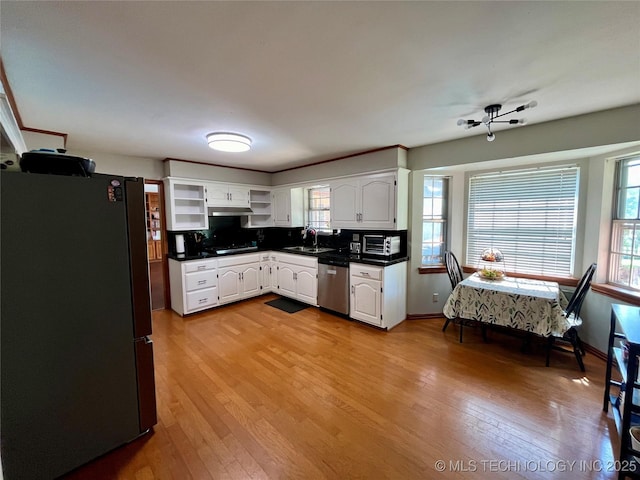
351	258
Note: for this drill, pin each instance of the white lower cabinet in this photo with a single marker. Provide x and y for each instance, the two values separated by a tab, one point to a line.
238	277
297	277
268	272
378	294
193	285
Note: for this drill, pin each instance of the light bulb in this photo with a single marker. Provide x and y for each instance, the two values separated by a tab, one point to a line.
491	137
485	119
522	121
461	122
531	104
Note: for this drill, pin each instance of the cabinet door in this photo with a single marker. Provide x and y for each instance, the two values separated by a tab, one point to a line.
345	200
366	300
265	276
286	280
378	202
151	250
238	196
229	284
250	275
274	274
281	206
307	285
217	195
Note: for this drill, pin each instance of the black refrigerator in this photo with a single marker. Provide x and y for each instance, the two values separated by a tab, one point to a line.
76	359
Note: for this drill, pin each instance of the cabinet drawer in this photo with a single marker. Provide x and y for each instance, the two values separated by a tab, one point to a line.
365	271
233	260
199	266
202	298
200	280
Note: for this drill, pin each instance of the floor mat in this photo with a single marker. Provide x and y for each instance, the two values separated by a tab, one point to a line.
287	305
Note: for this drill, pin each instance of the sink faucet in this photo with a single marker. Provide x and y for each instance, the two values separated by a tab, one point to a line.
310	231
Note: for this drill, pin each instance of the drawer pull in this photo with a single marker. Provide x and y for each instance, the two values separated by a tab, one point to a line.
203	300
202	267
364	274
201	282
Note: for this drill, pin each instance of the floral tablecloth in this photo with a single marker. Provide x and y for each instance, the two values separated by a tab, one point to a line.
530	305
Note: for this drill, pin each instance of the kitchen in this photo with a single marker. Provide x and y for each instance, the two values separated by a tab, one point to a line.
374	202
229	352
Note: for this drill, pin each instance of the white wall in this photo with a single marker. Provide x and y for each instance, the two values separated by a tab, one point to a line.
37	140
128	166
177	168
609	127
386	159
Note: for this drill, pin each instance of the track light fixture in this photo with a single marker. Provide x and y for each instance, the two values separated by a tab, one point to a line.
491	116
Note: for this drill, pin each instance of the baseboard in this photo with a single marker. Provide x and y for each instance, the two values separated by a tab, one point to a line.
425	316
594	351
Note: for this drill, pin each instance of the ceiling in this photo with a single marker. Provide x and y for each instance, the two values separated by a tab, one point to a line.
307	81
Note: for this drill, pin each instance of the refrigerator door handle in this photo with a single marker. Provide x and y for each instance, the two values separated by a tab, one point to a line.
146	384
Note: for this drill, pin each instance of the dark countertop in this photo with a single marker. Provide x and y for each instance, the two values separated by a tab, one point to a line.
343	256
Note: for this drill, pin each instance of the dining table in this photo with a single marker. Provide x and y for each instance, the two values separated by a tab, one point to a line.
526	304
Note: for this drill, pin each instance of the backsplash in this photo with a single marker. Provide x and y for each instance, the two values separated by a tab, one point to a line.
226	231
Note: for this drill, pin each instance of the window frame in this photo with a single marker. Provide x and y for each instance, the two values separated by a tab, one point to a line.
308	207
618	229
443	221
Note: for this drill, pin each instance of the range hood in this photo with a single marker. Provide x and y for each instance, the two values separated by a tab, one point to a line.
227	211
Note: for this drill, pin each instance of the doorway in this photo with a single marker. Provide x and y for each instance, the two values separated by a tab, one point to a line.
156	243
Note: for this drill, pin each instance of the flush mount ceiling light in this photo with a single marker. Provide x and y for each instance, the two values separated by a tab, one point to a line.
228	142
491	116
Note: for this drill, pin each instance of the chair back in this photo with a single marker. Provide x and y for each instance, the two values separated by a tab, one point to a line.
575	304
453	269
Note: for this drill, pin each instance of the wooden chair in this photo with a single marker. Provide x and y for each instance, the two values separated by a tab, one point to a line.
572	312
455	276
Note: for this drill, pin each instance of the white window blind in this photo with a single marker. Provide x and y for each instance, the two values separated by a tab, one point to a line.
529	215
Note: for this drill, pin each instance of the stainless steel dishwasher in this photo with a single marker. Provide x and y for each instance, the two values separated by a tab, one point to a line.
333	283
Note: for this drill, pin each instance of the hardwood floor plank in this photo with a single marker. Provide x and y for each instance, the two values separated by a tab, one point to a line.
247	391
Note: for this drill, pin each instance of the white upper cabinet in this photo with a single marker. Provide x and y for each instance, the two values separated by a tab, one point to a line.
287	207
260	203
186	205
374	202
225	195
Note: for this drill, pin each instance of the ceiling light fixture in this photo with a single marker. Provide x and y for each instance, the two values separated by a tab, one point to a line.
228	142
492	115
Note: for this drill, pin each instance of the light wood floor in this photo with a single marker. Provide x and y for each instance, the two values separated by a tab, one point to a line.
246	391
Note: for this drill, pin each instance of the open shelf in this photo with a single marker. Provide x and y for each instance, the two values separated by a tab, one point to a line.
626	413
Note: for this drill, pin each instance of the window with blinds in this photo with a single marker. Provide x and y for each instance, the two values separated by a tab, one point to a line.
529	215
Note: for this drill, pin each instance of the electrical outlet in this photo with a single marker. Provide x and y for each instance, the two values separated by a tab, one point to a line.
435	298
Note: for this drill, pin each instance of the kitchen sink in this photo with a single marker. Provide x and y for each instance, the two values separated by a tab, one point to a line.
309	249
